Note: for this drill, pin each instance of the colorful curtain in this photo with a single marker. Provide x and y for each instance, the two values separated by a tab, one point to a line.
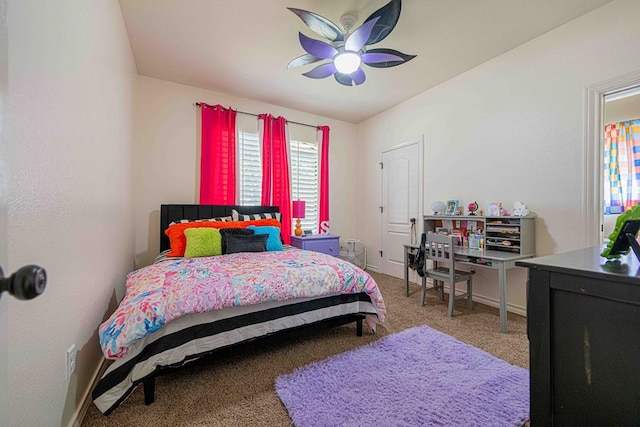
218	155
323	215
275	169
621	166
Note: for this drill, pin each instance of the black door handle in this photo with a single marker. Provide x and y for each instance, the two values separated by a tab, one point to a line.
26	283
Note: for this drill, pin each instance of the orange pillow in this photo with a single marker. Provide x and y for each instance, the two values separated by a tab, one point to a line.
178	241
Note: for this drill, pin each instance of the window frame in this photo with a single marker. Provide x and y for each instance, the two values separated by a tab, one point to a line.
310	182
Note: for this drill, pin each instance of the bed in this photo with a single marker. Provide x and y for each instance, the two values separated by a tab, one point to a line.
324	292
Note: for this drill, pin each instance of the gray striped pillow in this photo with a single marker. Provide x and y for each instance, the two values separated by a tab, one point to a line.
217	219
250	217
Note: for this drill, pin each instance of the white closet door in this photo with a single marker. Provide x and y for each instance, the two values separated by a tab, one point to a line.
401	201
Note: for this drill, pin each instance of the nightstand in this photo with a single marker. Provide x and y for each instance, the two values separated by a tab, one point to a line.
326	243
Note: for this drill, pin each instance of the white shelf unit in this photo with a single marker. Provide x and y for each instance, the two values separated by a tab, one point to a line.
513	234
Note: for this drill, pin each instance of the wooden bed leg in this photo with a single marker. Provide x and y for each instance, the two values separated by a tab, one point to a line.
359	327
149	390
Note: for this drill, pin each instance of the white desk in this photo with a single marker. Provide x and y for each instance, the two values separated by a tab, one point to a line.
496	260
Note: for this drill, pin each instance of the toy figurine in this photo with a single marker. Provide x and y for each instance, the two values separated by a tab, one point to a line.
520	209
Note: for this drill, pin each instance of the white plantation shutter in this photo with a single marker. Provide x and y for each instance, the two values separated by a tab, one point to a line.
250	173
250	169
307	171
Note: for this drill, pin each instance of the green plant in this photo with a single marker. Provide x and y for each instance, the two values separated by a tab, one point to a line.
633	213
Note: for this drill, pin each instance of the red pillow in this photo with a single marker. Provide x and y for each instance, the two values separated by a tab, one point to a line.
178	241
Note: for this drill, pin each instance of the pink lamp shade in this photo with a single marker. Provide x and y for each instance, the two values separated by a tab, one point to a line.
299	209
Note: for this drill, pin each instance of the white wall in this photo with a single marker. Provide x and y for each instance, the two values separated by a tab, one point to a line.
167	155
70	193
510	129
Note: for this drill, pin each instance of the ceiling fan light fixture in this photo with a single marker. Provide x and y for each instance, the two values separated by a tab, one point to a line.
347	50
347	62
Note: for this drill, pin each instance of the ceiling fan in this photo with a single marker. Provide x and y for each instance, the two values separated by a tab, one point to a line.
348	50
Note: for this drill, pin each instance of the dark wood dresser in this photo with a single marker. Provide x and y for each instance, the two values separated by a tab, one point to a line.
583	322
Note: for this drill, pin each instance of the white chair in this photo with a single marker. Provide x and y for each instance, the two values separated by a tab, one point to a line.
440	250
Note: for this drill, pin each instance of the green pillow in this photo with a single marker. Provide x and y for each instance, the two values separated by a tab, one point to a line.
202	242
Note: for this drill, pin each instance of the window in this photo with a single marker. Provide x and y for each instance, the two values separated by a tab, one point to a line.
304	178
306	172
250	169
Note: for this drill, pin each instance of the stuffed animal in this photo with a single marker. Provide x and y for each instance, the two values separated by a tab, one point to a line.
520	209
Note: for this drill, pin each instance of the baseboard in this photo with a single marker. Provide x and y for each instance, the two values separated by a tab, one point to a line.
513	308
492	302
78	416
372	268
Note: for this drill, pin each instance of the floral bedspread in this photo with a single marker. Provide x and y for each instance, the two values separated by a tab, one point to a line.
162	292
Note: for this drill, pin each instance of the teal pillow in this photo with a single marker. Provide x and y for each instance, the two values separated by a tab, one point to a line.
273	241
202	242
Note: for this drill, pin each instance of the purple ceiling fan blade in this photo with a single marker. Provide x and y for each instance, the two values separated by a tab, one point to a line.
372	58
389	15
402	58
358	76
321	71
344	79
359	37
303	60
319	24
317	48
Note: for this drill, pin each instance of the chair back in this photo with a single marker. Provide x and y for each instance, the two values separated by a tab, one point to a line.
440	248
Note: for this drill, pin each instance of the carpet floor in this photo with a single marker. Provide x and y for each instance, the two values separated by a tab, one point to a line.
239	391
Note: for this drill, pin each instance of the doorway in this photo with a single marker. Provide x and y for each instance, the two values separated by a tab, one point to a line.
592	154
618	109
401	200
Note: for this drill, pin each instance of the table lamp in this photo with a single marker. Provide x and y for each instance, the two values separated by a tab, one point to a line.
298	212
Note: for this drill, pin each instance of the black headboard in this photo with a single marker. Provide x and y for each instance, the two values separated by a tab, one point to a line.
169	213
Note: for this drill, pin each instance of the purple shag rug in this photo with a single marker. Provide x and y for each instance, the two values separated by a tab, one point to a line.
417	377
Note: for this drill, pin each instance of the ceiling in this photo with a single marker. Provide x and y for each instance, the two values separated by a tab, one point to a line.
242	47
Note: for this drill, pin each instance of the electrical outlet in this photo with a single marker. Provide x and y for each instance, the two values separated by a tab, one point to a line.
72	352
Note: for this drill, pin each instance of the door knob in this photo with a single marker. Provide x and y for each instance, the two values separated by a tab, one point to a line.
26	283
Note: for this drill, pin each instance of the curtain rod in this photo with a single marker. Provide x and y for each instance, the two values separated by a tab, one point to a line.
257	115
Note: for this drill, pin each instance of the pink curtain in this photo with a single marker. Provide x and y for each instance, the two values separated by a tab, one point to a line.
275	169
218	155
323	215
